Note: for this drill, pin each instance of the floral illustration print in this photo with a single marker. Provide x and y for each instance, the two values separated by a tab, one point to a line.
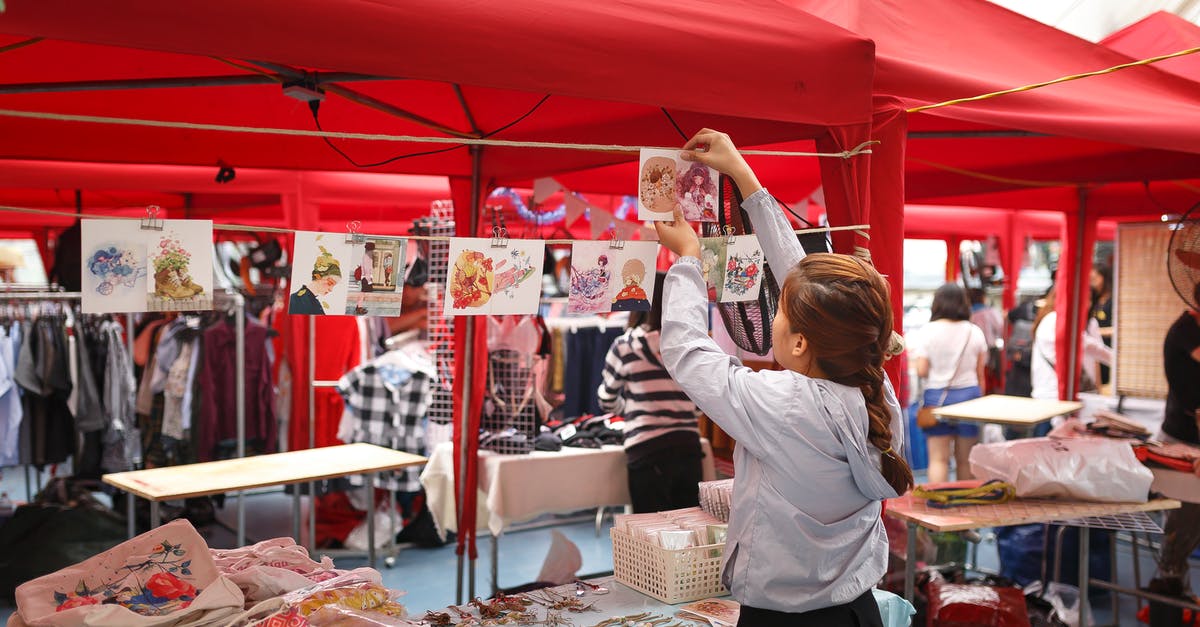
742	272
171	277
151	586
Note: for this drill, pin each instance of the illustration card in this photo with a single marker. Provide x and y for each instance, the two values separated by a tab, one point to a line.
180	271
322	266
483	279
712	261
114	267
378	269
665	181
605	279
715	611
743	270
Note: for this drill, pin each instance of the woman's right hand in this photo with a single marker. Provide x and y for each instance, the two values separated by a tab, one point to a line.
716	150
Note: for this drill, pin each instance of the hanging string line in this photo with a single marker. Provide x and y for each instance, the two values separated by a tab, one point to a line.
1064	79
19	44
863	148
860	229
991	177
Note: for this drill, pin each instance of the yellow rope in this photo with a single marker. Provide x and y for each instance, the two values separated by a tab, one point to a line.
1073	77
991	177
990	493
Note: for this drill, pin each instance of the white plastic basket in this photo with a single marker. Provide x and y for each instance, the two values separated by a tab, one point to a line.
671	576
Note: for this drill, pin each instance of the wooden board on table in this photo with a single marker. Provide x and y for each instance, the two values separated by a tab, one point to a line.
176	482
1010	410
1016	512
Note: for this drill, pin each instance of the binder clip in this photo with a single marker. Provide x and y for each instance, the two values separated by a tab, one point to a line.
353	236
152	222
614	242
729	235
499	237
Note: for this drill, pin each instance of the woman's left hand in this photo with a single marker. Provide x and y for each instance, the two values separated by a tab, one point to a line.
678	236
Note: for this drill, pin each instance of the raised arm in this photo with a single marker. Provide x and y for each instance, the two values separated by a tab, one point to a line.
775	234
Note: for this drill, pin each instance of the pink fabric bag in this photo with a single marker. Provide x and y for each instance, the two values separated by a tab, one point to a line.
163	578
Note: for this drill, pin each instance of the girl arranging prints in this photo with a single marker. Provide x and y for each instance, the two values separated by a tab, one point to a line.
819	442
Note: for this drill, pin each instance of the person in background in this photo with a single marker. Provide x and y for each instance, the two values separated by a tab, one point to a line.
819	443
1181	424
1102	308
951	357
991	322
662	439
1042	367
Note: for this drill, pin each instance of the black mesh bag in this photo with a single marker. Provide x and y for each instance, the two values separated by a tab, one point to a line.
749	322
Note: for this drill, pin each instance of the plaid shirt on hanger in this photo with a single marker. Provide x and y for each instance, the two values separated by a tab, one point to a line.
386	405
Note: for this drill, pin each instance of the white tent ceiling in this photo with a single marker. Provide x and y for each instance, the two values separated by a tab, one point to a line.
1096	19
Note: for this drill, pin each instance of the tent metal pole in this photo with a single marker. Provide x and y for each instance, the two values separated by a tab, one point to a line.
468	355
183	81
239	310
1073	357
312	429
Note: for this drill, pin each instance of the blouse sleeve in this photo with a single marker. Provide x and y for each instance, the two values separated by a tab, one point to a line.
780	246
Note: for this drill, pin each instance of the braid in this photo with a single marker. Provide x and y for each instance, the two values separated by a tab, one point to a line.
895	468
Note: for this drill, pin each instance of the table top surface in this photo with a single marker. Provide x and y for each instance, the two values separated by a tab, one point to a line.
175	482
1011	410
1015	512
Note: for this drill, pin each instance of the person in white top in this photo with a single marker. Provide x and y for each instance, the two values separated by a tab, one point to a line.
1042	370
951	356
818	443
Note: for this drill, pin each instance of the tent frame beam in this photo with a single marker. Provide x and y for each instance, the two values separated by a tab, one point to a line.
998	134
177	82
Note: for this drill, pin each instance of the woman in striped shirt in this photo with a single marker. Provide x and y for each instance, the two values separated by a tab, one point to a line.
662	441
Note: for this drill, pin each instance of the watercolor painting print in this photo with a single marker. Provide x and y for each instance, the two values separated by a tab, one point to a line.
591	278
114	268
379	263
712	261
322	265
180	266
743	270
634	289
666	181
484	279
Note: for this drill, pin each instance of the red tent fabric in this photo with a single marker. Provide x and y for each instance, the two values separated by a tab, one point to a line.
1157	34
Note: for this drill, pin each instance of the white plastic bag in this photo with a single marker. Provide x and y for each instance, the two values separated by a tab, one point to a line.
1086	469
1064	598
357	540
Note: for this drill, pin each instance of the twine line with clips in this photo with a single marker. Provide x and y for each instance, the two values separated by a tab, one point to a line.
152	222
614	240
354	234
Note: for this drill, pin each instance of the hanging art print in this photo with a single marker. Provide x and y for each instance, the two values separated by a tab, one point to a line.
321	267
604	278
180	266
712	262
666	181
114	266
379	263
484	277
743	269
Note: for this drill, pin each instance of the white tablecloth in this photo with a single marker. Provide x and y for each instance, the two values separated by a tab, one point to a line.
516	488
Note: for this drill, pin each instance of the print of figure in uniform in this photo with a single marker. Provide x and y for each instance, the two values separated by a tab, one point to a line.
326	274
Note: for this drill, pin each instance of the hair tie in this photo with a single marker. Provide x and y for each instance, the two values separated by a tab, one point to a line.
889	451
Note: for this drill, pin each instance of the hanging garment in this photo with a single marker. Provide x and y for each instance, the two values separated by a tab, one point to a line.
10	398
587	348
122	441
386	403
47	427
218	383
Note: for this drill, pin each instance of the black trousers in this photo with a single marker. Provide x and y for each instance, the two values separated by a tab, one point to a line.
664	480
861	612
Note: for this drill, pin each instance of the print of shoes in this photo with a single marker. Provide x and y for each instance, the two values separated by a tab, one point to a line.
167	285
186	281
359	310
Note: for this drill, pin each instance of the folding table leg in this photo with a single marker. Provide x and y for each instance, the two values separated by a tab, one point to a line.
1084	575
495	565
910	563
154	516
369	481
1137	568
296	512
130	523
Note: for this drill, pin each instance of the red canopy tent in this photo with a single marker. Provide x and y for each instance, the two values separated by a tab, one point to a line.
611	71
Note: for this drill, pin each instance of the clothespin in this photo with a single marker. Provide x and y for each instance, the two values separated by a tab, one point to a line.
152	222
729	235
615	242
353	234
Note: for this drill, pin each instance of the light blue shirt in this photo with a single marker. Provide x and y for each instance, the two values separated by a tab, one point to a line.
805	529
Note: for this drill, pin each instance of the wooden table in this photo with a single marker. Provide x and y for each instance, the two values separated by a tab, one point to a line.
916	512
1016	411
231	475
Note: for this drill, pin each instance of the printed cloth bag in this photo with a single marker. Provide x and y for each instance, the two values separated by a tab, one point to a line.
272	568
163	578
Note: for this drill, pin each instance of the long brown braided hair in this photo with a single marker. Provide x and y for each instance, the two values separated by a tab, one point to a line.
840	304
